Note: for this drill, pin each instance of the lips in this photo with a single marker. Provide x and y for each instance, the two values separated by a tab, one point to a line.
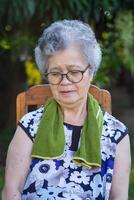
67	92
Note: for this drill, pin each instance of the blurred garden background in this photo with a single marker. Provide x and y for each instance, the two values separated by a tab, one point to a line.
21	24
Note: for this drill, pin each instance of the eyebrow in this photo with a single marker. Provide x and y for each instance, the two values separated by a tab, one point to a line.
55	68
74	67
69	67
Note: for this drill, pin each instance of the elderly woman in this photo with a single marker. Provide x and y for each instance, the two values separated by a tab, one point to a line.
70	148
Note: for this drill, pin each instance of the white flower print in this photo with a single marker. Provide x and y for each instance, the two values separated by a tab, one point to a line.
67	159
65	173
55	179
107	180
119	125
80	177
108	130
25	120
73	165
69	196
113	122
91	171
33	127
39	114
50	193
107	149
118	135
62	182
39	184
32	130
96	185
33	117
37	174
109	119
62	177
74	191
30	196
68	136
74	188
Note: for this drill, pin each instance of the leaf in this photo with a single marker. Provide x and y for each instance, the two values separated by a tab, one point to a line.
31	5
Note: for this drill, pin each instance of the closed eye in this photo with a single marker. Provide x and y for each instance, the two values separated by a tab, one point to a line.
55	73
74	72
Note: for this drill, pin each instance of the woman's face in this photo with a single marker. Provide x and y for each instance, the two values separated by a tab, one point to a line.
67	93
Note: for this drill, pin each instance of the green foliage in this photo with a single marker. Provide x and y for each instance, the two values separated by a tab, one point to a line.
124	44
1	179
22	45
117	46
5	138
4	44
18	11
22	20
131	190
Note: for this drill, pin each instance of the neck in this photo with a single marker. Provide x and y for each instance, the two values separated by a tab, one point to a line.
75	115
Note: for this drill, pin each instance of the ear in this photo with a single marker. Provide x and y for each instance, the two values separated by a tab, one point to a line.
90	79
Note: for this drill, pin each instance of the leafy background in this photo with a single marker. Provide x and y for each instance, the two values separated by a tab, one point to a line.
21	24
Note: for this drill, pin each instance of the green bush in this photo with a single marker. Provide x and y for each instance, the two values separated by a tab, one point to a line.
5	138
1	179
131	185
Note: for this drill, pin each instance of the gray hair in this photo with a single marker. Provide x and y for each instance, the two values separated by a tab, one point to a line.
60	35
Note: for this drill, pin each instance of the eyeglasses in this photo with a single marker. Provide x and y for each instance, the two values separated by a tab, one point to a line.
74	76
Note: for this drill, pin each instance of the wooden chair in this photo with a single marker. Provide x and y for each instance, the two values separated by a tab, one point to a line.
38	95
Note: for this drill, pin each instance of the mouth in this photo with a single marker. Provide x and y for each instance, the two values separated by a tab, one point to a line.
67	91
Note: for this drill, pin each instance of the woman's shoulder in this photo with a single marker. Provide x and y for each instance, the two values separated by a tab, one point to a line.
30	122
114	128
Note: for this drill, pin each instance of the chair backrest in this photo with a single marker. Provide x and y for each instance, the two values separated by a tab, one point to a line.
38	95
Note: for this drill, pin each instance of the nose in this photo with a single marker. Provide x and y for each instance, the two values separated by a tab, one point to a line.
64	80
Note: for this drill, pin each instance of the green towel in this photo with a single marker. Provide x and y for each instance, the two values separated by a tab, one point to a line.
50	139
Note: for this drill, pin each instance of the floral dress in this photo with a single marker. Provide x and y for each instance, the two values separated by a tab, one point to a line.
62	178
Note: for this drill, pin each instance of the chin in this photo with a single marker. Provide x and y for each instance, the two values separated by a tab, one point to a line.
67	101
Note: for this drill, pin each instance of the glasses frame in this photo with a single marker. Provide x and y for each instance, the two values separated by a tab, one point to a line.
66	75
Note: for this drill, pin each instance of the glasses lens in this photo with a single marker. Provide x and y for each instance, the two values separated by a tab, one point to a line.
75	76
54	77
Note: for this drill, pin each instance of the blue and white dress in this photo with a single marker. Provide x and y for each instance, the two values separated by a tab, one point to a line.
62	178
